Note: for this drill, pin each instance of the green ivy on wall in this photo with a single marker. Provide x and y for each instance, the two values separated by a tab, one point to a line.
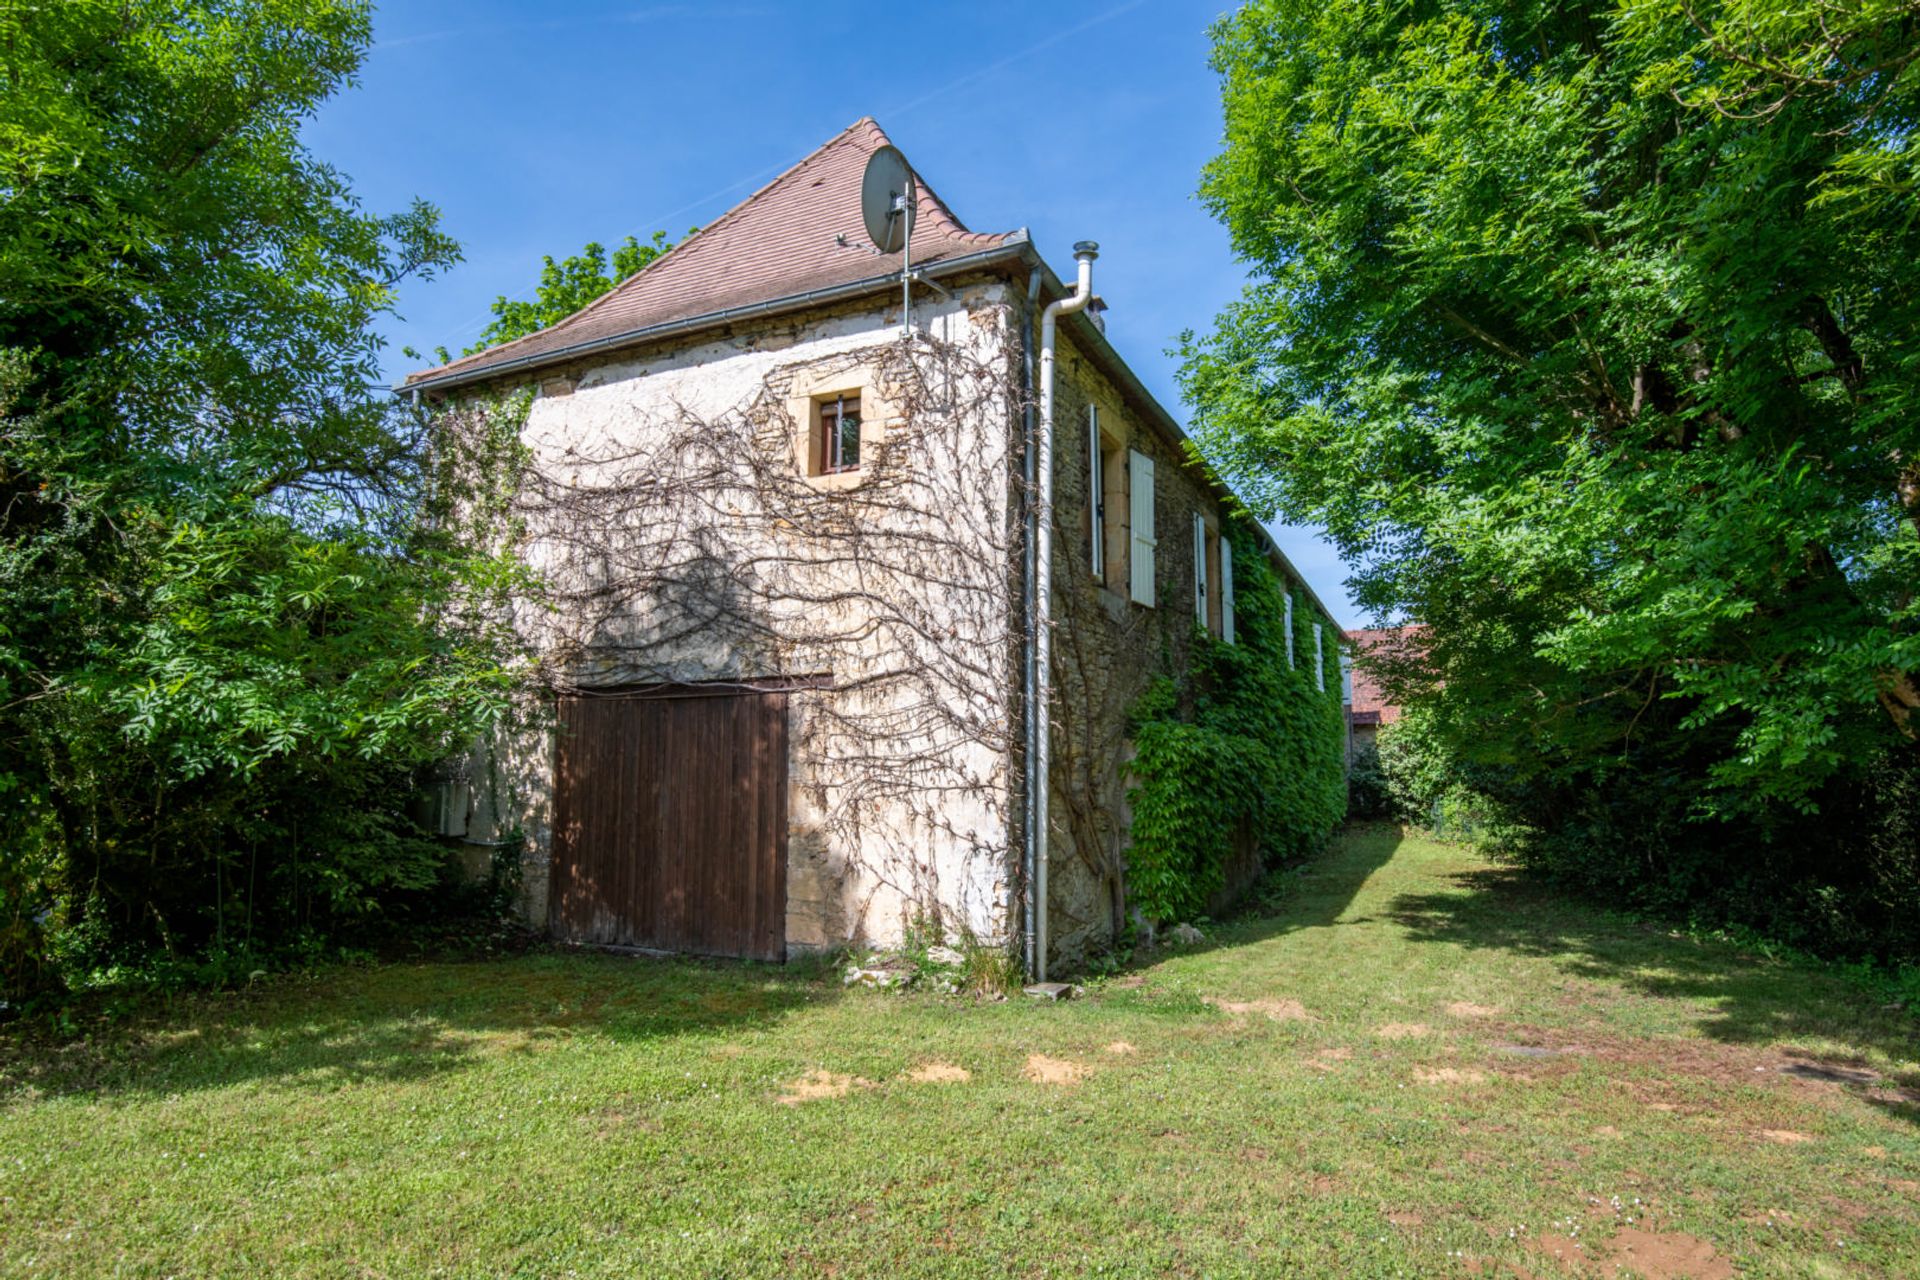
1239	746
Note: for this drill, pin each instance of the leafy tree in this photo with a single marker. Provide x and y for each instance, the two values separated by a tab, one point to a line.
1590	332
567	286
236	614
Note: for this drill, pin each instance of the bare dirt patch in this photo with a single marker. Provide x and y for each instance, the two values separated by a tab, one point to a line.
1449	1075
1696	1059
1279	1009
1666	1255
1121	1049
939	1073
1467	1009
1044	1070
1405	1219
1402	1030
1562	1248
816	1085
1655	1255
1785	1137
1329	1059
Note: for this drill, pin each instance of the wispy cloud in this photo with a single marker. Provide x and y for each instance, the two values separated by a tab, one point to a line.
627	17
992	68
760	176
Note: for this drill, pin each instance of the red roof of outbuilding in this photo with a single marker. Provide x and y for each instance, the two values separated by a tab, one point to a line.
799	233
1370	705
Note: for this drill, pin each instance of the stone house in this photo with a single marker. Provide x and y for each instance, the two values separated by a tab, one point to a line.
1368	708
785	510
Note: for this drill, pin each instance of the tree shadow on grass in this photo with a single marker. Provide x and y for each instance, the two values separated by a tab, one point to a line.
401	1022
1312	894
1751	1000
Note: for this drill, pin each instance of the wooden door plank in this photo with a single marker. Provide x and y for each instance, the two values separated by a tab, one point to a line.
670	822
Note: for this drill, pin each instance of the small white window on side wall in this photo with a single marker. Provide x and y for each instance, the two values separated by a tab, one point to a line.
1319	661
1096	498
1288	623
1226	589
1140	477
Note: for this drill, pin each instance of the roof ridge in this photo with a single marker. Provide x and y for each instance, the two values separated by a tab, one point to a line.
620	286
798	165
741	251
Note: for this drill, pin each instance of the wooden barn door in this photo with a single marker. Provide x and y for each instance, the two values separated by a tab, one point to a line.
670	821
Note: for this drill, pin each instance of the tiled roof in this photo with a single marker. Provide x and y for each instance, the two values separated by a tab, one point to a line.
1370	705
781	241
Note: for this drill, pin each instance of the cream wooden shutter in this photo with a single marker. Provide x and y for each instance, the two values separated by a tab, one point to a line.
1140	495
1095	498
1226	590
1200	569
1289	626
1319	661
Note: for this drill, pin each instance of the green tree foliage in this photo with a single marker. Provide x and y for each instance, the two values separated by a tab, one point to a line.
236	612
1594	329
1242	747
567	286
1589	332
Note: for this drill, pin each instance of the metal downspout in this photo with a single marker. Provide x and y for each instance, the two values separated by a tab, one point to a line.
1084	253
1031	849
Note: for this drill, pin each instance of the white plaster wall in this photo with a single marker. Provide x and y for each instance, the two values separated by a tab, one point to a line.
676	558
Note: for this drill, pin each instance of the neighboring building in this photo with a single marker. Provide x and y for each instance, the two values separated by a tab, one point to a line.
791	606
1368	709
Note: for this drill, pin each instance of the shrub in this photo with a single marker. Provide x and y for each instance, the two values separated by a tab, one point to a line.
1839	879
1426	785
1367	785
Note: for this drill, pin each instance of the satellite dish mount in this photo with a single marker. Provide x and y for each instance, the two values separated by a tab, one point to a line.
889	200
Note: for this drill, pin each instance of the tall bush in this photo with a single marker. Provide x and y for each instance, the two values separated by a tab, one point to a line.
238	613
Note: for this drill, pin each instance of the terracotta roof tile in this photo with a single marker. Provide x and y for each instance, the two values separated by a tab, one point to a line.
778	242
1370	705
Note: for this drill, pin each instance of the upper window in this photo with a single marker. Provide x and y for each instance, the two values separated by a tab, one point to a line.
1140	527
839	442
1096	497
1107	513
838	418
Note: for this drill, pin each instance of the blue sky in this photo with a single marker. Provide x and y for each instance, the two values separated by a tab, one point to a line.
539	127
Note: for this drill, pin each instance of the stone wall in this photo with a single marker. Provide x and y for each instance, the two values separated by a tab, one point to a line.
1107	649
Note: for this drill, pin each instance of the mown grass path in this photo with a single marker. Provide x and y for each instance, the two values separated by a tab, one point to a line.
1421	1067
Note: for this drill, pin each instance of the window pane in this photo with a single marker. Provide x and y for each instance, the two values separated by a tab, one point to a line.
849	438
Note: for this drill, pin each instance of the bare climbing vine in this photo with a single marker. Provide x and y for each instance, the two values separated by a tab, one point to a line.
678	543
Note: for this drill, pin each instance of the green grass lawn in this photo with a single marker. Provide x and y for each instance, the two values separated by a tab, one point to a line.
1422	1066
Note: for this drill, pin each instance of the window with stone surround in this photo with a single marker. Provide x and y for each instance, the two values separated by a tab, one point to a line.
838	448
839	415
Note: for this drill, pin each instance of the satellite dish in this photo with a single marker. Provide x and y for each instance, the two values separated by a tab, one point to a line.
887	200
